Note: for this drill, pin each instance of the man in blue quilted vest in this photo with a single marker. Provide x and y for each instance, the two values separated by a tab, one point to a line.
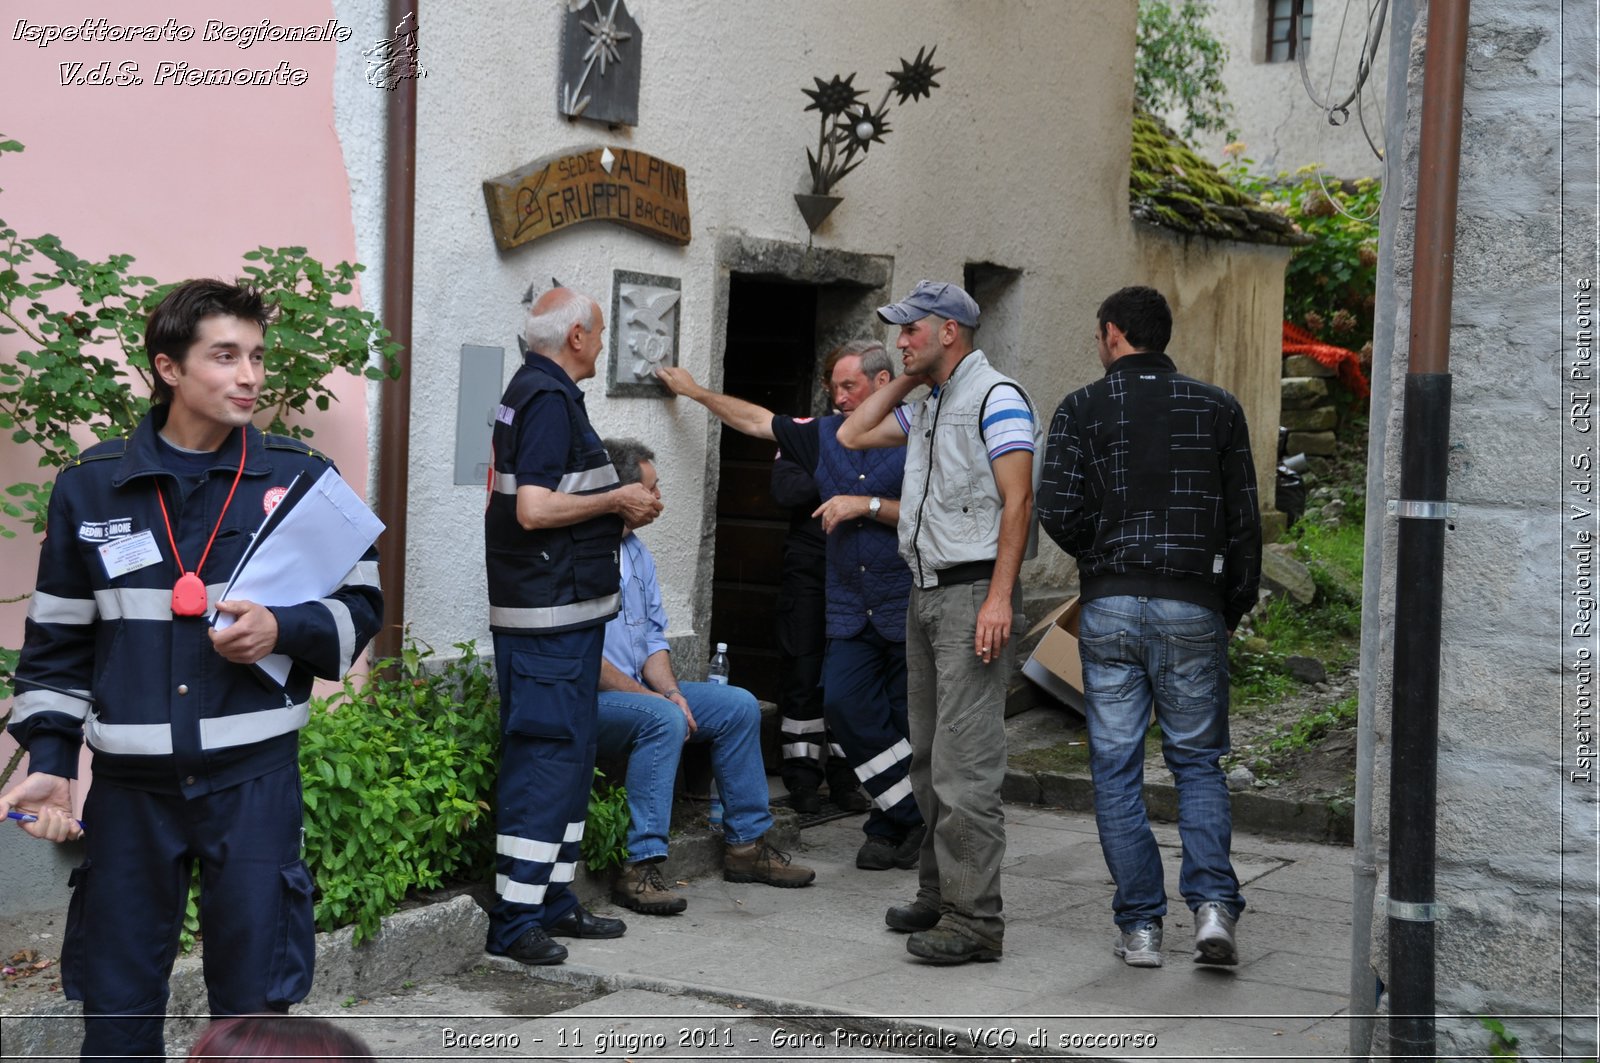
864	667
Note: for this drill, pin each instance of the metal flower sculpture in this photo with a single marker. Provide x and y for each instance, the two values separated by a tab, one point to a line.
848	127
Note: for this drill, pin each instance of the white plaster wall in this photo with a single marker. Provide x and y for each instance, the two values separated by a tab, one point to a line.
1282	128
1020	158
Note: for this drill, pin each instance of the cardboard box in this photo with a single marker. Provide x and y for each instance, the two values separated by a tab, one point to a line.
1054	664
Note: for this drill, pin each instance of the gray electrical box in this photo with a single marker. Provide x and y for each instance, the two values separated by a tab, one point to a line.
482	381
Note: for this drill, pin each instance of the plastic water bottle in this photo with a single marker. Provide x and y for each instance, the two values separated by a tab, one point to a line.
718	672
714	815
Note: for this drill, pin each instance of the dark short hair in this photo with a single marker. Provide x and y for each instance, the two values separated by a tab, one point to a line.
277	1037
874	359
626	454
175	321
1141	313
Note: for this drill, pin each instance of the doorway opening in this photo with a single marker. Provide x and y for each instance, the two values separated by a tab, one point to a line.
771	360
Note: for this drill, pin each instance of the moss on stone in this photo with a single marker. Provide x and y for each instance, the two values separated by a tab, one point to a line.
1174	188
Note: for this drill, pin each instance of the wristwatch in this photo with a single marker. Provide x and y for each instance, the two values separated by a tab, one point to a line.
873	507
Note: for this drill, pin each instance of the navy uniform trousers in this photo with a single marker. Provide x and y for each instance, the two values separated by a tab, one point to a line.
548	711
129	897
864	699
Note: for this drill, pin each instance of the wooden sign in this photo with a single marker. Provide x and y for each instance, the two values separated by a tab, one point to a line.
591	184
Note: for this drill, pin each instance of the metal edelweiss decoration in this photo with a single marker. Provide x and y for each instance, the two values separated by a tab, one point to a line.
600	48
848	127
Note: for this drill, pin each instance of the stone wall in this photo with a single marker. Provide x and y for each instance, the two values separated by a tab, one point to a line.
1516	809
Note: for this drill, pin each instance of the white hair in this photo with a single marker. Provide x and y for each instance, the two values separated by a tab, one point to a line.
547	332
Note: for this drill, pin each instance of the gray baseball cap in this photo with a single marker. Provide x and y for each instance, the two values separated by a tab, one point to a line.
933	297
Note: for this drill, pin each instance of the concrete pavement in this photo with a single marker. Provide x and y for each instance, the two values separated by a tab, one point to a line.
755	972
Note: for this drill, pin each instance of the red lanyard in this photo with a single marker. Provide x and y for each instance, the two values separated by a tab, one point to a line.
189	593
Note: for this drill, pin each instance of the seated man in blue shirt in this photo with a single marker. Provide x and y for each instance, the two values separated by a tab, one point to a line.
647	715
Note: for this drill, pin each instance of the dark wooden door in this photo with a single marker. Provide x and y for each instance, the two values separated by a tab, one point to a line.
771	359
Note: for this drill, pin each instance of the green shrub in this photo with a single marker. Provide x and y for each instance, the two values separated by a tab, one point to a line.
605	835
398	772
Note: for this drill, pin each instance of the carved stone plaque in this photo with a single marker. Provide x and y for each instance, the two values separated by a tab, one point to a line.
644	332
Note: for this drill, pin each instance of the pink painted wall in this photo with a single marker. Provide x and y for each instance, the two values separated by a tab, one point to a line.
185	179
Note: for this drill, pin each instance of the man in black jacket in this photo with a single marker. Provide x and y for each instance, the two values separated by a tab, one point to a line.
1148	481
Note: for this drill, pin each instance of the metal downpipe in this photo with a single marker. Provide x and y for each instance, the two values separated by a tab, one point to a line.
394	433
1419	555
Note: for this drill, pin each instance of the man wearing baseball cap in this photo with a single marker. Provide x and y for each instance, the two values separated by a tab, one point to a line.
966	516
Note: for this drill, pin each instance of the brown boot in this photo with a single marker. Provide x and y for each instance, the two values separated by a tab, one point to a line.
641	887
760	862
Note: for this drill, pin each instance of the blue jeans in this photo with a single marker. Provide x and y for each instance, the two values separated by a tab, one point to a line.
650	731
1136	650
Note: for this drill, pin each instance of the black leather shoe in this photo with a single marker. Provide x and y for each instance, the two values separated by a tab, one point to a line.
536	949
907	918
908	853
805	800
582	923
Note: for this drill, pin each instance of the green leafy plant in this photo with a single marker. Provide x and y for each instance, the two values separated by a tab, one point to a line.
398	773
1178	65
605	835
1331	285
1502	1044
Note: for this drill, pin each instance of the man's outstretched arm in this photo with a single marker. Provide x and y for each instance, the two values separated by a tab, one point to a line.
737	414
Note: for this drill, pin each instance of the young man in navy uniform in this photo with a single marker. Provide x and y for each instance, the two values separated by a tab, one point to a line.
552	532
195	753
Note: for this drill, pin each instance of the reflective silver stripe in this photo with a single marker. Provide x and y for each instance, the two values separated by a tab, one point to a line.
884	761
505	483
146	603
52	609
346	628
31	701
835	749
574	832
518	892
801	749
365	574
588	480
527	849
142	739
248	727
554	616
563	872
792	726
893	795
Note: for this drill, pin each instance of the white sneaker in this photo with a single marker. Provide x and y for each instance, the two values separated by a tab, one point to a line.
1141	946
1213	935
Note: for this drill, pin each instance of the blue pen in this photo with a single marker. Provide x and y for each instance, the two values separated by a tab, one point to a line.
29	817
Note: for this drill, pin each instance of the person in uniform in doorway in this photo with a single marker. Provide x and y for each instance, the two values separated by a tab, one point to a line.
803	641
1149	483
647	716
195	753
966	514
864	669
552	532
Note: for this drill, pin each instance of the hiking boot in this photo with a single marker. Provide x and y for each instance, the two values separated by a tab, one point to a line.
849	799
1213	935
760	862
909	918
805	800
944	945
1141	946
536	948
877	853
640	887
909	852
